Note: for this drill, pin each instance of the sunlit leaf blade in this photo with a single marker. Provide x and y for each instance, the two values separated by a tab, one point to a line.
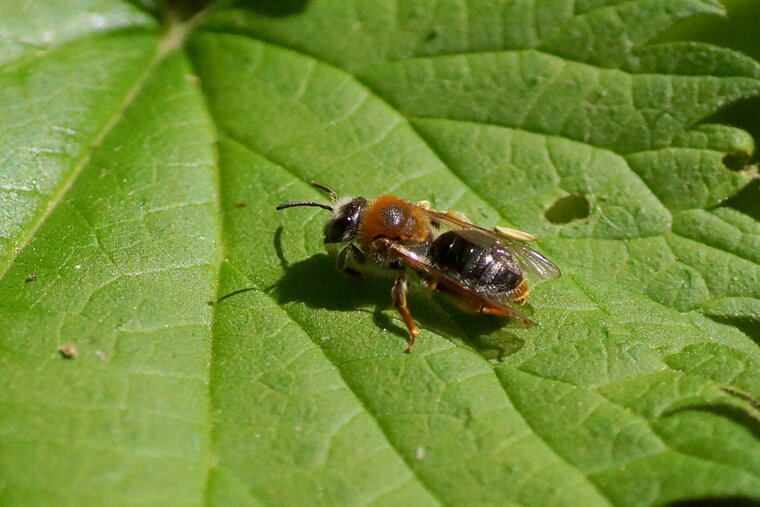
124	249
220	357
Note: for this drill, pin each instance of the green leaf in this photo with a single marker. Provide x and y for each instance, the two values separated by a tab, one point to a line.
220	357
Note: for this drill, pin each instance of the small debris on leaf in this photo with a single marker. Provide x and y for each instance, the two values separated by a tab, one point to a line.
68	351
100	355
240	205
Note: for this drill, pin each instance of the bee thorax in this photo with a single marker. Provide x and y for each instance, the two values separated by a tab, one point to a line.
395	219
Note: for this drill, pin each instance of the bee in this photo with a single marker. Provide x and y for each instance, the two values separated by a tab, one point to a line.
478	270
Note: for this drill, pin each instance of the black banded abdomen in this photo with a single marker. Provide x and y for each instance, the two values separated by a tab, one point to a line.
476	260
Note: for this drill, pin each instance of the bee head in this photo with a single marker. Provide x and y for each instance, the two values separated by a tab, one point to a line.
343	223
345	214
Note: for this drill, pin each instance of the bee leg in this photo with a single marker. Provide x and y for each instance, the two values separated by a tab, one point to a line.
522	292
429	284
350	255
506	312
398	295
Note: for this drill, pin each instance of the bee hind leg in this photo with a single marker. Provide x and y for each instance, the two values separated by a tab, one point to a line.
503	311
398	295
349	257
521	293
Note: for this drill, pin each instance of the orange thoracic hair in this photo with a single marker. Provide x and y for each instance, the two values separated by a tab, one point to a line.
393	218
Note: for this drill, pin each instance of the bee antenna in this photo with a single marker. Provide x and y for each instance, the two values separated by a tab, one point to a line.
327	189
294	204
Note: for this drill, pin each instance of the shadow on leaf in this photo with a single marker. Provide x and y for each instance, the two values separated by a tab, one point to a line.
316	283
274	8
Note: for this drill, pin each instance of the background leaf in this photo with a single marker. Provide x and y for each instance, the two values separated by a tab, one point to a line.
222	360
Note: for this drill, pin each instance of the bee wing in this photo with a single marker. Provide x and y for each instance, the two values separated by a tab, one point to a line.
528	258
531	260
414	262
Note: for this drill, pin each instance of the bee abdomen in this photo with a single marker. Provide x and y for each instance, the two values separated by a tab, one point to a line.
492	270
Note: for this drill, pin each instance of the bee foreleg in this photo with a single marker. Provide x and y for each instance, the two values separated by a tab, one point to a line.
348	257
398	295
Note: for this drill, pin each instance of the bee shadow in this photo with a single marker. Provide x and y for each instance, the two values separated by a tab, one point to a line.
316	283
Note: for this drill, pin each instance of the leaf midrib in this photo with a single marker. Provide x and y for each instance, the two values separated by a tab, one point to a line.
67	182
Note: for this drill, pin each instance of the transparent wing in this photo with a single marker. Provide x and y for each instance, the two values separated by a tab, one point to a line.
528	258
531	260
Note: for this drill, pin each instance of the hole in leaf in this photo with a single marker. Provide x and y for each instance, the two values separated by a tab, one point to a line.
743	396
747	201
736	162
738	415
716	501
567	209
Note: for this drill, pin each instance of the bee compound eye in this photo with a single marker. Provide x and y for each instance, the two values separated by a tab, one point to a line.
340	230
